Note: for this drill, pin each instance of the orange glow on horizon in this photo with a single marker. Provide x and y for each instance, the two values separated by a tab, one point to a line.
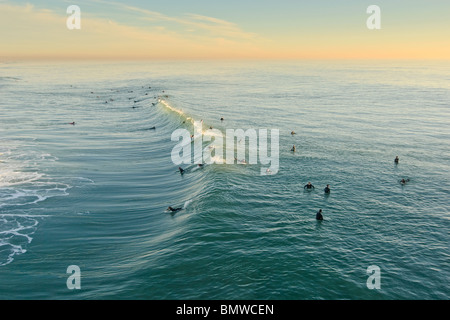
30	34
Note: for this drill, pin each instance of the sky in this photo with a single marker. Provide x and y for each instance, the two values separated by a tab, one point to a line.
232	29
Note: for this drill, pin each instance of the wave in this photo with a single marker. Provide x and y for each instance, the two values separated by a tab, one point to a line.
187	118
167	105
208	132
204	129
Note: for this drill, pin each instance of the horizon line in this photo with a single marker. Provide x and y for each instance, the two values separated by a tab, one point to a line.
118	58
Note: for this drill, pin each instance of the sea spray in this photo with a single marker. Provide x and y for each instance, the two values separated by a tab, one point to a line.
235	147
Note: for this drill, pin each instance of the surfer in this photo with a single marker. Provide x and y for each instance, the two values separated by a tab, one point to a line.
309	186
72	123
181	170
221	119
293	148
396	160
174	210
327	189
404	181
319	215
292	132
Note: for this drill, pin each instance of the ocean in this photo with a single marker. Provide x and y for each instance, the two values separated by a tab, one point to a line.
94	194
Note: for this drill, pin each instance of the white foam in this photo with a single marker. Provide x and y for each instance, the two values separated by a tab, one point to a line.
24	197
23	215
14	250
22	183
15	232
187	203
11	177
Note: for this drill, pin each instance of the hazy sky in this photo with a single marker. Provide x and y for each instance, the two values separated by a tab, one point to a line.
207	29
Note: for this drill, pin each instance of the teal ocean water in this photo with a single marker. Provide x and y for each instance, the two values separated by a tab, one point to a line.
95	194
